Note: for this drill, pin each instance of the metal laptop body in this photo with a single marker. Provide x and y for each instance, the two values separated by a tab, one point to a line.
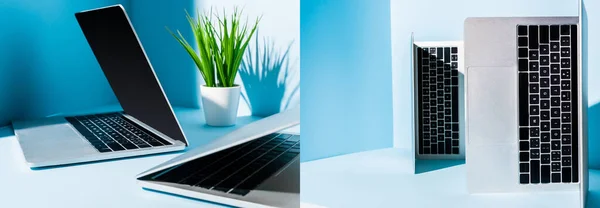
55	141
493	105
279	190
447	59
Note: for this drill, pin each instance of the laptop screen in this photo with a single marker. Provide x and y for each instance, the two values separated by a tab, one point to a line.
123	60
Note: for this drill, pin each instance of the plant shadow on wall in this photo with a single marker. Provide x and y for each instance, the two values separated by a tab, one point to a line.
267	72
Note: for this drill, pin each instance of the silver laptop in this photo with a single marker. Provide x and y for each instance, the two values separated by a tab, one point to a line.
254	166
146	126
526	105
438	100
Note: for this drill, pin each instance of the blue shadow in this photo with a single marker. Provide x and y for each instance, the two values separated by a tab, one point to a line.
266	72
185	197
102	161
424	166
6	132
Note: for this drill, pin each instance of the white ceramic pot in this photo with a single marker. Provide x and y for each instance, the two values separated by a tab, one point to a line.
220	104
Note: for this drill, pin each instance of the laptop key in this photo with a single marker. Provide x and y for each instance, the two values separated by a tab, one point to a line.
242	192
115	147
566	175
141	143
535	171
554	32
130	146
544	34
103	148
545	174
533	37
294	150
556	177
207	183
153	142
524	178
221	189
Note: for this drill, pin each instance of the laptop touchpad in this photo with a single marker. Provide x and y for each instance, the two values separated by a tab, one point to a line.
492	105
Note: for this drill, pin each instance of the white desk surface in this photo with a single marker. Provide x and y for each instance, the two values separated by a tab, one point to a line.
99	184
380	178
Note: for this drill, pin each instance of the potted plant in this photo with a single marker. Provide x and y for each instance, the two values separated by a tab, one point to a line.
221	45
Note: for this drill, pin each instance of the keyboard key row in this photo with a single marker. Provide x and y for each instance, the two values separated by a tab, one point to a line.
106	133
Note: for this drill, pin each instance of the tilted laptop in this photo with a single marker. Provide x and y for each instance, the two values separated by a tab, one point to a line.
526	105
146	126
253	166
438	100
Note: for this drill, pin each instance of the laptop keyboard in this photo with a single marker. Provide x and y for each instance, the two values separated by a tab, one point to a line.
437	79
236	170
548	143
113	132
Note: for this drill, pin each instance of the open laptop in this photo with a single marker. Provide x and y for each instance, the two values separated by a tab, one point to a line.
438	100
146	126
526	105
253	166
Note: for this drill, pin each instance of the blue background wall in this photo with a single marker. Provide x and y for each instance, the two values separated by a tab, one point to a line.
46	65
172	64
346	69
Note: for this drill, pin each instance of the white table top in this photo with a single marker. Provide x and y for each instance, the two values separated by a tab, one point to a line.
381	178
99	184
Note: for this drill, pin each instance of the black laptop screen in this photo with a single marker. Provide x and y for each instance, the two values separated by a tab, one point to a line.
121	57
